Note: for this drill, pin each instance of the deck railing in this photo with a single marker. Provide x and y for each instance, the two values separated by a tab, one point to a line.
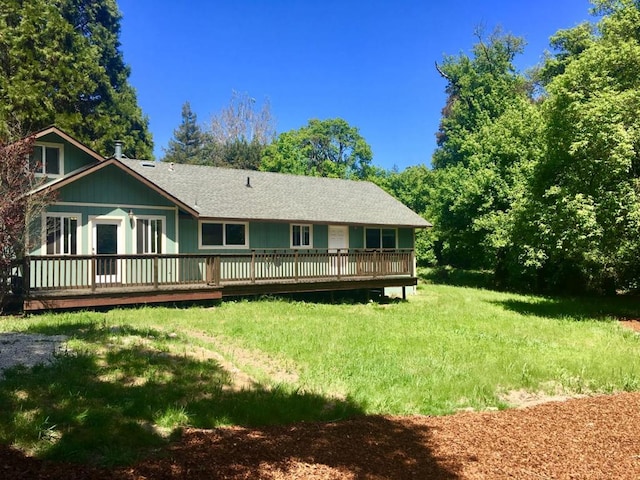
93	272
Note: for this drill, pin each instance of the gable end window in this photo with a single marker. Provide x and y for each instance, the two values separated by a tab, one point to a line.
377	238
61	234
213	235
149	234
47	159
301	236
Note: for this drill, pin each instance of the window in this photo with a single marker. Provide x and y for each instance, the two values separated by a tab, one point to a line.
380	238
149	235
46	159
61	235
223	235
301	236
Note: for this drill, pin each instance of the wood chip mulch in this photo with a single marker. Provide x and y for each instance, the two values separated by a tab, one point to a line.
587	438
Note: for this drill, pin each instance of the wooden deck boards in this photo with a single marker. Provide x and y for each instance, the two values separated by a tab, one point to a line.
127	295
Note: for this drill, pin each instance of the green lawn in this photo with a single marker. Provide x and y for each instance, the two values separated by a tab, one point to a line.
132	377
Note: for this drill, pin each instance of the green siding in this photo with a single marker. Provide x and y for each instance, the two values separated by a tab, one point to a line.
74	158
113	186
111	193
269	235
85	214
320	236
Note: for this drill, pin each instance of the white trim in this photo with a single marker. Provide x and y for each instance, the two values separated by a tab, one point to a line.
109	220
301	247
95	220
43	232
112	205
163	238
60	147
224	234
176	231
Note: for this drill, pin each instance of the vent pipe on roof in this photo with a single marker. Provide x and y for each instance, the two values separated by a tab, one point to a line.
248	182
118	154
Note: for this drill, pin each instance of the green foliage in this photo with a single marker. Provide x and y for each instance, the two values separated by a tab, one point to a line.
580	224
490	136
414	187
188	140
60	64
323	148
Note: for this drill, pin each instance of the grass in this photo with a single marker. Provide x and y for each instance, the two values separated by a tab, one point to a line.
132	378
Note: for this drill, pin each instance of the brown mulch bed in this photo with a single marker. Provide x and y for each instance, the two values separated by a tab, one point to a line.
587	438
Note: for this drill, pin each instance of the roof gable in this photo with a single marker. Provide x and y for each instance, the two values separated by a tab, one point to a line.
99	166
54	132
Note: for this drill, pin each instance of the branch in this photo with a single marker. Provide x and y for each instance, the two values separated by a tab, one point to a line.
442	74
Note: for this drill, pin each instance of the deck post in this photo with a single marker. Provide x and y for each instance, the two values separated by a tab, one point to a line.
296	266
375	264
253	266
216	271
339	263
155	272
93	273
26	276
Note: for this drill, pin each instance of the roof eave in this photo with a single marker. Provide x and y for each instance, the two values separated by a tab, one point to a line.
65	136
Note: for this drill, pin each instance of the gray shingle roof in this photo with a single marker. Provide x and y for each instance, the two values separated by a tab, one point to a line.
223	193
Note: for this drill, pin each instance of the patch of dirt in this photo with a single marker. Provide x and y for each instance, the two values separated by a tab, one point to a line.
588	438
632	324
248	358
551	392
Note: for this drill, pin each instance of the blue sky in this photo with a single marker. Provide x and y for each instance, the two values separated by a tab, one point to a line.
368	62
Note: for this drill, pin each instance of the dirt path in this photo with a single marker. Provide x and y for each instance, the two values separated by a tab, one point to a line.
587	438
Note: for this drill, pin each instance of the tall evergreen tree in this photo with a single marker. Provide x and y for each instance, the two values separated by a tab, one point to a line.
60	63
188	141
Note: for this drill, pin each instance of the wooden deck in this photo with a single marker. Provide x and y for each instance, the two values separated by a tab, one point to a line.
83	281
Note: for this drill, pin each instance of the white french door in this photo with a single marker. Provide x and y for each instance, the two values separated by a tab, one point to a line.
107	241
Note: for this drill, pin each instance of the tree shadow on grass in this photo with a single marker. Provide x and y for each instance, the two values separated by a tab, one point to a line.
575	308
107	405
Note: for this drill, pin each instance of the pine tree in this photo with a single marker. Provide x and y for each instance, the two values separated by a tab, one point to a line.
60	63
188	139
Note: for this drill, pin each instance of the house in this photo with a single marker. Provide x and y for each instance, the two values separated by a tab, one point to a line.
129	231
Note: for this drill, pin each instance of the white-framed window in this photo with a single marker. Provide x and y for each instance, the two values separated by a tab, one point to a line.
61	233
376	238
47	159
301	236
223	234
149	235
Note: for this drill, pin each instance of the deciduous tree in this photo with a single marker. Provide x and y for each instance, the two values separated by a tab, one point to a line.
17	209
581	225
323	148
